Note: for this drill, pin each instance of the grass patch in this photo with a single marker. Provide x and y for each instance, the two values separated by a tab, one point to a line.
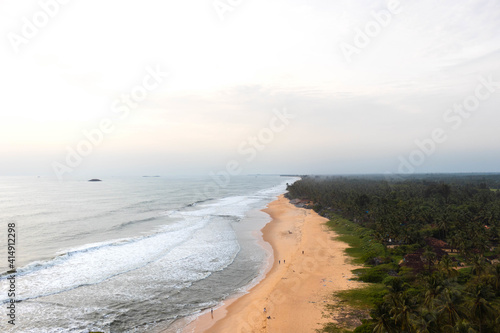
362	246
359	271
356	253
373	275
363	298
332	328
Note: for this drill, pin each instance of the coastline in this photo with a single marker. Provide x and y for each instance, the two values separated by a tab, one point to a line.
297	284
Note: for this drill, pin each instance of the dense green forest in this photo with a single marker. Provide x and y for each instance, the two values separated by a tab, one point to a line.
430	241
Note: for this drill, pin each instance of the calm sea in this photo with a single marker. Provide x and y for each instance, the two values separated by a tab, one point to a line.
129	254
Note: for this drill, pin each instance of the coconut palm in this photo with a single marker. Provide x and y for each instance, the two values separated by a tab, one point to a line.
479	264
397	285
449	309
494	278
434	287
426	322
481	310
462	326
429	257
447	265
383	319
402	312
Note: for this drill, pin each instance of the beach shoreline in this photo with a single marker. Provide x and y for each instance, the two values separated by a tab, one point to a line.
307	267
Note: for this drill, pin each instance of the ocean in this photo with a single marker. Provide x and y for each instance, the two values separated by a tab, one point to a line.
137	254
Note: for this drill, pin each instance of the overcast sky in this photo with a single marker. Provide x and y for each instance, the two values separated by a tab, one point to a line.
357	84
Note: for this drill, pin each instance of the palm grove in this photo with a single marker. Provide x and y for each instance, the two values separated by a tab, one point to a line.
430	242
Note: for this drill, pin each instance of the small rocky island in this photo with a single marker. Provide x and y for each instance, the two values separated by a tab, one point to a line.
95	180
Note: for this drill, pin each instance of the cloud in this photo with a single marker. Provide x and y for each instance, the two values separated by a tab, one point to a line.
227	76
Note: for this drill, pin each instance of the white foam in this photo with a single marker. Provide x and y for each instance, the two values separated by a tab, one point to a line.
91	265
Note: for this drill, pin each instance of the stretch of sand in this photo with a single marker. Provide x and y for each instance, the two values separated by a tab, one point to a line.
295	291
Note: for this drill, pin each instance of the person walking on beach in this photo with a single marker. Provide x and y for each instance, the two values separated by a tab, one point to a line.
283	260
279	261
212	312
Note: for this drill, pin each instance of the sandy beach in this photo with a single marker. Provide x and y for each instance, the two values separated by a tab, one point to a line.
308	266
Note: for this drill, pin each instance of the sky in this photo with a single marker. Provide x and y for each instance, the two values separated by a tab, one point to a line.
93	88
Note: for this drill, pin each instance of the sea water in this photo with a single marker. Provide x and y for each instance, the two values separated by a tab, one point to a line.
129	254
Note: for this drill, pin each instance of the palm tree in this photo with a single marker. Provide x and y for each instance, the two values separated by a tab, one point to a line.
459	241
434	286
383	320
445	191
397	285
448	308
495	278
462	326
454	240
443	222
429	257
481	310
425	322
448	266
401	312
479	264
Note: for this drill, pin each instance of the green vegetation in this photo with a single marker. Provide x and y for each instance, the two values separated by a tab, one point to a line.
429	245
362	247
332	328
364	298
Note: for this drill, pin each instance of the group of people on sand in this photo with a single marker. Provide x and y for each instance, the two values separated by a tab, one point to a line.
268	317
279	261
